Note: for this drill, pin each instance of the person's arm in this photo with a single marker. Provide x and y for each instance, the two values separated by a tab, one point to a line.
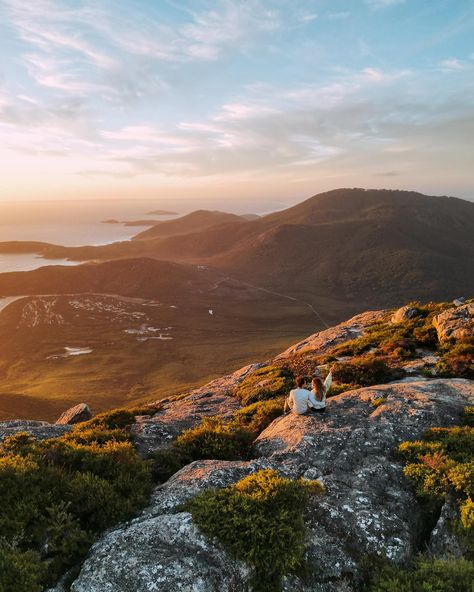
327	384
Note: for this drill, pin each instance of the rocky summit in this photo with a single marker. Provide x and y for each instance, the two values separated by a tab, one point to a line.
369	508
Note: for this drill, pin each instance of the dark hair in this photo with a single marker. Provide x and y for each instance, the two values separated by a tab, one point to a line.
300	381
318	388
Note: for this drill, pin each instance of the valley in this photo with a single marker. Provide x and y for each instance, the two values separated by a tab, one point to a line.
109	350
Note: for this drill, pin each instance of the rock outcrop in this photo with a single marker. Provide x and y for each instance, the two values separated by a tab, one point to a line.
323	341
455	323
76	414
404	313
369	507
41	430
182	413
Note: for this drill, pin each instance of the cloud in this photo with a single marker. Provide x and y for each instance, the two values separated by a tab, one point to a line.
343	14
452	65
380	4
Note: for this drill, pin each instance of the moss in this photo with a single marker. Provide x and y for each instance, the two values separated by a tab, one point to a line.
378	401
265	383
258	520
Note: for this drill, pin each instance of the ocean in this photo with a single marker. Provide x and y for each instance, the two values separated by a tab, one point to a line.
81	222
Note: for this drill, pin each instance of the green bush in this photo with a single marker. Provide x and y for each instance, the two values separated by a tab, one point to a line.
20	571
214	439
428	575
339	387
165	463
364	371
257	416
258	520
265	383
58	495
116	419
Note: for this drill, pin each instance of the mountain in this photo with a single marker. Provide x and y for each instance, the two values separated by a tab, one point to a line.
197	221
373	247
379	247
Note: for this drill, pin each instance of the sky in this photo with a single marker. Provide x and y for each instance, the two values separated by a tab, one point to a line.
254	98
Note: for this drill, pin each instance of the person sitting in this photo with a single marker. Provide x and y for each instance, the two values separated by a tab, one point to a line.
319	391
299	400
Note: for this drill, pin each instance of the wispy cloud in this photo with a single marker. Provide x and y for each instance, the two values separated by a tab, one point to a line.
379	4
453	65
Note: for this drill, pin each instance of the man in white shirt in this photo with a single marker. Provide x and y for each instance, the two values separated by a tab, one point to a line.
300	399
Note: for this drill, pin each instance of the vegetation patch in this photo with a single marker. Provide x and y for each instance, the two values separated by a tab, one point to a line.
397	341
58	495
258	520
265	383
365	371
441	465
427	575
457	359
212	439
257	416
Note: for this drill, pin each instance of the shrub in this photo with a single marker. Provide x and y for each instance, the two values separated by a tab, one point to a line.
110	420
458	360
258	416
265	383
364	371
441	465
468	416
58	495
259	520
214	439
20	571
428	575
338	388
165	463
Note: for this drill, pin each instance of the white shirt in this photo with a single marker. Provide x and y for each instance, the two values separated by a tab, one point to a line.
300	399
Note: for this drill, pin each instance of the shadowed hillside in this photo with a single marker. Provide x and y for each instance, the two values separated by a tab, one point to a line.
378	247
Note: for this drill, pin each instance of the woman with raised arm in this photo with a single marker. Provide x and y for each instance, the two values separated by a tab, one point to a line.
319	391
